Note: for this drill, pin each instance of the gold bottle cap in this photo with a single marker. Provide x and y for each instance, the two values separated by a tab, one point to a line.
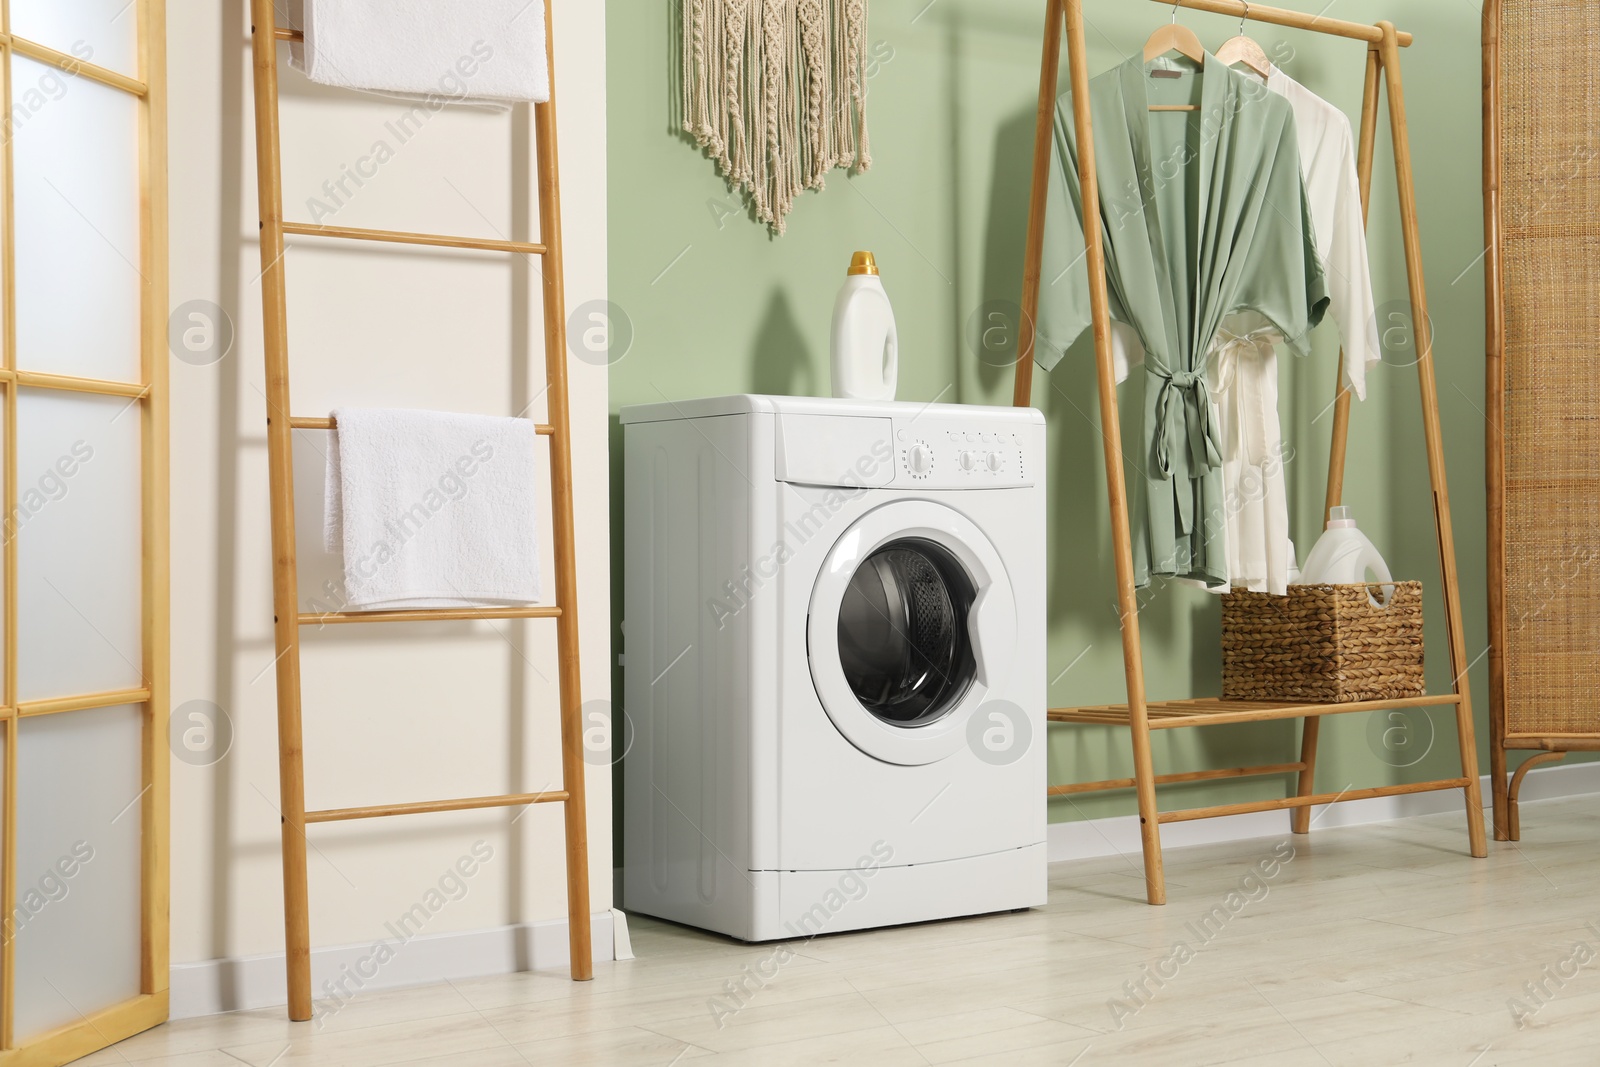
863	263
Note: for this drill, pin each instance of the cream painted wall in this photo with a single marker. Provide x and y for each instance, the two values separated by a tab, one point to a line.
403	713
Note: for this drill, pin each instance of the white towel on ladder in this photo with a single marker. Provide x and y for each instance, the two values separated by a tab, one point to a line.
441	50
432	509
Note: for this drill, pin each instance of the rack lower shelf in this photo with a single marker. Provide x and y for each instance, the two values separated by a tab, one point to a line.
1209	711
1170	714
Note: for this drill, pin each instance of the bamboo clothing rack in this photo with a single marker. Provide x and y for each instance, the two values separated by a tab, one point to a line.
288	619
1139	714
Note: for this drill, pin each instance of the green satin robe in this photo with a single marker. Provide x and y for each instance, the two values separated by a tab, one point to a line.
1203	213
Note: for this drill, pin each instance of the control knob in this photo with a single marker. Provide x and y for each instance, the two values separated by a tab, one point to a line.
920	458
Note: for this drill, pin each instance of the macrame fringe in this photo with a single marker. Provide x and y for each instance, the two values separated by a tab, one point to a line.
775	91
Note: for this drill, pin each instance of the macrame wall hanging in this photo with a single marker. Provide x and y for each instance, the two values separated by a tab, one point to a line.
775	91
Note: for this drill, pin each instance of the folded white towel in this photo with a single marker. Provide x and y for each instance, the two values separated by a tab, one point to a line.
432	509
443	50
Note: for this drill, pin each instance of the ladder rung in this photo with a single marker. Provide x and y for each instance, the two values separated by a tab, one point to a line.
318	618
284	33
379	811
401	237
543	429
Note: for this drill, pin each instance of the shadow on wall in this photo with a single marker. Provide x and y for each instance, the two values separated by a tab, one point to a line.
233	288
780	362
992	332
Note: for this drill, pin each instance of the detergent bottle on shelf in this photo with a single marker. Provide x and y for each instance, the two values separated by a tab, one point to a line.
1344	556
866	346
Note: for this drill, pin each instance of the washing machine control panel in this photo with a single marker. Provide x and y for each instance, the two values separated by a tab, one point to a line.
956	454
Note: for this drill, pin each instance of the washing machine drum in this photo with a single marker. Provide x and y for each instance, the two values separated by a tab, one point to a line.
903	641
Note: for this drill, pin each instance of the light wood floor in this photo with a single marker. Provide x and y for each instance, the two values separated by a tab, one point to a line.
1373	945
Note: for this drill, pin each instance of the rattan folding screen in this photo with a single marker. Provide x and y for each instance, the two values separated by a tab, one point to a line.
1541	203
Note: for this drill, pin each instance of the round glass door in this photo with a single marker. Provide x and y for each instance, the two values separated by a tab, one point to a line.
912	626
903	641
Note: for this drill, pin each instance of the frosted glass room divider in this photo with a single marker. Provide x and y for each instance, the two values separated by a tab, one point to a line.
84	571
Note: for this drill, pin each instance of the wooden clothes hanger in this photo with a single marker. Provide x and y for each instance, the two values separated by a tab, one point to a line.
1242	49
1174	38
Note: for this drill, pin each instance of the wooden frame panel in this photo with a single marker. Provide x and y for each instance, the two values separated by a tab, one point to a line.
1384	42
1494	401
103	1027
8	555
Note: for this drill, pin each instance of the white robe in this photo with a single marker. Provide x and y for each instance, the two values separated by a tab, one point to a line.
1242	374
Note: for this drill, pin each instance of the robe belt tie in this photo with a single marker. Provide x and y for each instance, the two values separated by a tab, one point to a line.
1183	411
1235	359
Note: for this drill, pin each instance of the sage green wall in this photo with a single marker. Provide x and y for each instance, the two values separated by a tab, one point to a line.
717	306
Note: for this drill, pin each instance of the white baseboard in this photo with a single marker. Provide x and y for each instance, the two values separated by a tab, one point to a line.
241	984
1120	836
621	940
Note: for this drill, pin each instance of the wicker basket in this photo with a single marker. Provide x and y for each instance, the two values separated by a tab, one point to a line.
1323	643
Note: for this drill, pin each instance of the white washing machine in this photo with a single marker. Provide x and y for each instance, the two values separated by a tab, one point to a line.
834	663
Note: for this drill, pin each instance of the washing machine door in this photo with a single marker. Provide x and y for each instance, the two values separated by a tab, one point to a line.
912	626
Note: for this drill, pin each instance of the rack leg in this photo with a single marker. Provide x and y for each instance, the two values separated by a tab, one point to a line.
1423	334
1144	774
1038	195
1311	733
1111	447
1341	407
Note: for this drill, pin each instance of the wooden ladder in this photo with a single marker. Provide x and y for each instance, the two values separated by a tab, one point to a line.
288	619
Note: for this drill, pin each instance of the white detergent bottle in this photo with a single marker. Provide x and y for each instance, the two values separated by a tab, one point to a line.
866	346
1344	556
